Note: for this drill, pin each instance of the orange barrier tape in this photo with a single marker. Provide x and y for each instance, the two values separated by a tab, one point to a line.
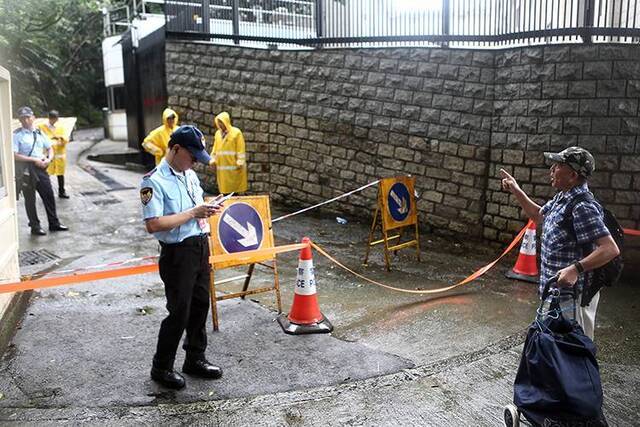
152	268
239	256
77	278
130	271
26	277
631	232
472	277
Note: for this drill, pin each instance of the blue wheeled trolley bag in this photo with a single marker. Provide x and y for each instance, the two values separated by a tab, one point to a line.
558	380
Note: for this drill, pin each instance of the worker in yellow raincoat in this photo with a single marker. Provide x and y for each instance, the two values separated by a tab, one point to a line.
157	141
229	156
59	141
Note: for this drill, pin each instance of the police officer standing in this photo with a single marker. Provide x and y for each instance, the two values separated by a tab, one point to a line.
174	211
33	153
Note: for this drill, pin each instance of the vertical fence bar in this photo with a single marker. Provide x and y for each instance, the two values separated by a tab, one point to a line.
529	26
485	22
619	23
493	7
588	21
552	17
445	21
635	13
541	21
206	23
626	20
319	21
505	19
235	16
605	16
612	20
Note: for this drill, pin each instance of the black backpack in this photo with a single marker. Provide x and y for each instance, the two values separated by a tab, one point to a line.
608	274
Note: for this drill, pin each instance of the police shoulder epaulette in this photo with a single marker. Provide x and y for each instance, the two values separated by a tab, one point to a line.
16	130
151	172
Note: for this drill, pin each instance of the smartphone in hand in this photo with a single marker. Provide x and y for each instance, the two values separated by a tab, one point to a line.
220	200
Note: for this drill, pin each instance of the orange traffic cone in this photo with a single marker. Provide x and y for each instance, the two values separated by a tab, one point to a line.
305	316
526	267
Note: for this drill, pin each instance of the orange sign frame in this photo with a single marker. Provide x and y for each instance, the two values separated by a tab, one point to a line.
386	222
251	258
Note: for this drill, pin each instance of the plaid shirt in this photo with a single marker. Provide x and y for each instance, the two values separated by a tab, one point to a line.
561	247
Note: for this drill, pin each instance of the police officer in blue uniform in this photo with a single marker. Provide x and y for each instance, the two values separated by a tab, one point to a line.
32	152
174	211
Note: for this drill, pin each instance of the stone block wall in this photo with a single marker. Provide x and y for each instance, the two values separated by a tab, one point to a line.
319	123
549	98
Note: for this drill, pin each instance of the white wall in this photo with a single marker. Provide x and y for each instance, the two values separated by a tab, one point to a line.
9	270
112	61
117	124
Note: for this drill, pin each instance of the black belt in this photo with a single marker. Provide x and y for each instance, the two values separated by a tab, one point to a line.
189	241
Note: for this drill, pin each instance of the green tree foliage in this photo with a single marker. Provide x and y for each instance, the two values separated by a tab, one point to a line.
52	48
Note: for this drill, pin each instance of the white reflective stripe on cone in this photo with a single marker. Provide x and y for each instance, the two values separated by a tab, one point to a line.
528	246
305	279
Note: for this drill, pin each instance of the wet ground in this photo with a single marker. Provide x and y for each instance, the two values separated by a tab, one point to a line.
82	353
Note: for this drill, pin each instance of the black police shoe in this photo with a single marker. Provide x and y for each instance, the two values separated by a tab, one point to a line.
38	231
59	227
63	195
168	378
201	368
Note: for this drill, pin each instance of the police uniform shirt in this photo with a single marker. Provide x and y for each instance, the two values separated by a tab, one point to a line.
23	141
165	191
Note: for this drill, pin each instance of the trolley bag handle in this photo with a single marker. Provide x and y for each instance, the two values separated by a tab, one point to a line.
547	290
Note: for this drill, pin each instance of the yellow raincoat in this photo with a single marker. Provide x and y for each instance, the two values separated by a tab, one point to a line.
157	141
229	156
59	138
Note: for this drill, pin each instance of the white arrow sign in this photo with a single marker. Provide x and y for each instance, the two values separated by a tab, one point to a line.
402	203
249	236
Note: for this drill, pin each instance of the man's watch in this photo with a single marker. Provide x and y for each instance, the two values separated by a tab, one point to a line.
578	267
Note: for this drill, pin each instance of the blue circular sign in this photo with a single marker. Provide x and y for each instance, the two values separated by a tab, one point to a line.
240	228
399	201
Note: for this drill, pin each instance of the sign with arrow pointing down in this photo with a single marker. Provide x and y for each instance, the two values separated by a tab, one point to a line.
396	211
244	225
241	235
240	228
399	201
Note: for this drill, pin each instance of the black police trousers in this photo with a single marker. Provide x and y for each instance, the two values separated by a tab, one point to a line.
184	269
43	187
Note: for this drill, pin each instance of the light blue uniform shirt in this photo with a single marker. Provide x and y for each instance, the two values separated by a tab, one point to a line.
164	191
23	140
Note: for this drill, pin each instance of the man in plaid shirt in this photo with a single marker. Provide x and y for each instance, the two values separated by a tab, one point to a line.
569	254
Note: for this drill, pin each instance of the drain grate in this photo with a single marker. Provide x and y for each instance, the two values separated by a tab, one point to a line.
112	184
102	198
38	256
107	201
93	193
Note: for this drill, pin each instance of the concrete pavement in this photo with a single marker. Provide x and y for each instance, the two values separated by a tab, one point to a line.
83	352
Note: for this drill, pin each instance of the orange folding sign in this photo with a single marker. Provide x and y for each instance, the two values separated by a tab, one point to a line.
396	210
241	235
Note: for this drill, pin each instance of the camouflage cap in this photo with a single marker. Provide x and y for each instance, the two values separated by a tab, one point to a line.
578	158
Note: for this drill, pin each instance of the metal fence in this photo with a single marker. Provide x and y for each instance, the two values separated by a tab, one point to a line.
464	23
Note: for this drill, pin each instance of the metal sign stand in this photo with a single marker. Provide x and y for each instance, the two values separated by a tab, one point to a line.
396	210
244	225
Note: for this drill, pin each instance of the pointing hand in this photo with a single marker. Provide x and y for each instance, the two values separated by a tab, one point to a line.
509	183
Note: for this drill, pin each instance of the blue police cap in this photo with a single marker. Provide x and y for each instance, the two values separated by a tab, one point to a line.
191	138
25	112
